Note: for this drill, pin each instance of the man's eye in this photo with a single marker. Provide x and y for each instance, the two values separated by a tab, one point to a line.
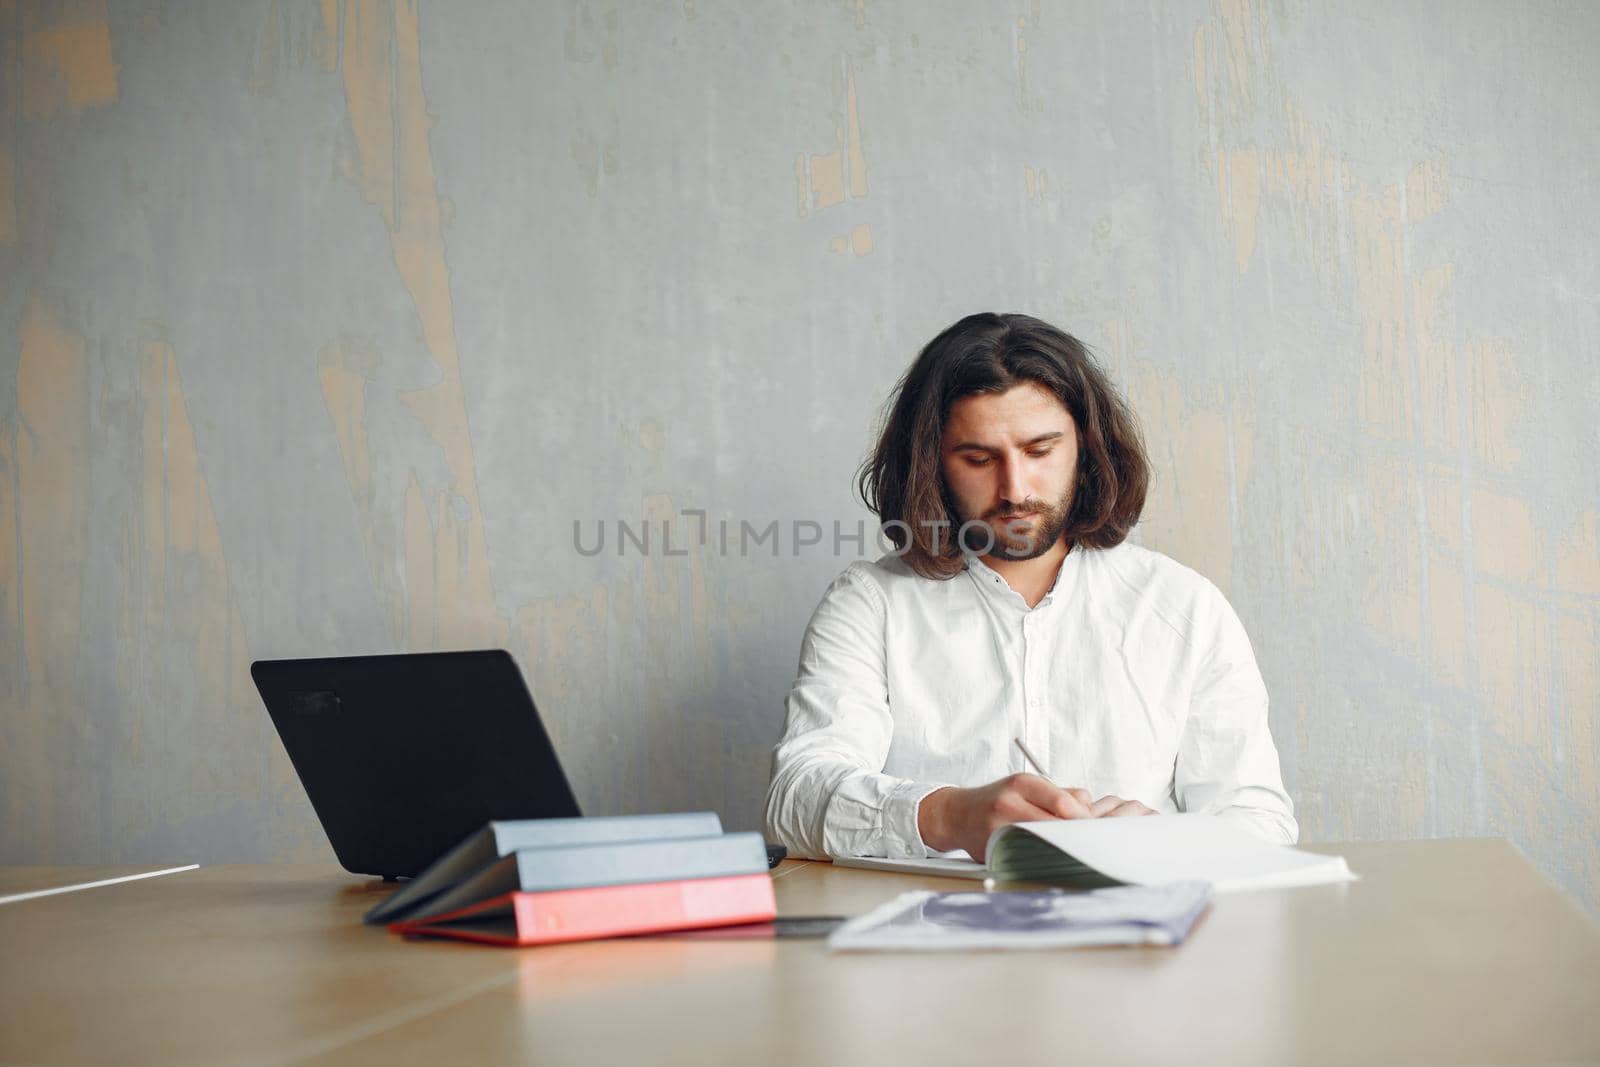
977	461
1040	451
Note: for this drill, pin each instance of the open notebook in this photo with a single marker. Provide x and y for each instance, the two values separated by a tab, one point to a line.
1151	850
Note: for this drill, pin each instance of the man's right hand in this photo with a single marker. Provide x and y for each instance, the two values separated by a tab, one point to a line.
951	818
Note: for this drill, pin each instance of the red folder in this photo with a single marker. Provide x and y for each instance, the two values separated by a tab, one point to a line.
604	911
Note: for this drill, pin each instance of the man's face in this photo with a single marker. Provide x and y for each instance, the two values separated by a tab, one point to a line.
1010	462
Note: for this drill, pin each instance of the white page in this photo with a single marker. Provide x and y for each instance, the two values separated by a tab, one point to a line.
1153	849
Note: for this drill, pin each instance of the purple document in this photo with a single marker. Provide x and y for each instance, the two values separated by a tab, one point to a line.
1046	918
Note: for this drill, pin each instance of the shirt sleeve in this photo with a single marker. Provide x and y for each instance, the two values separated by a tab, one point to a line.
829	795
1227	764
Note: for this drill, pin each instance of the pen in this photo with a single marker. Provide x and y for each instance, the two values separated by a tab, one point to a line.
1033	761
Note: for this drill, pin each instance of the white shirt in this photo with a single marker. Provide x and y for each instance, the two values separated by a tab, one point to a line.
1132	677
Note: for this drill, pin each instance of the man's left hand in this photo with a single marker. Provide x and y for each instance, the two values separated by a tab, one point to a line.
1116	807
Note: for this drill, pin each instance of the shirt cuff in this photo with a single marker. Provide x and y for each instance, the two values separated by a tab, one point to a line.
901	838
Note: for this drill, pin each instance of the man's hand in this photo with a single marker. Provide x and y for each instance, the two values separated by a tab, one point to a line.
1116	807
952	818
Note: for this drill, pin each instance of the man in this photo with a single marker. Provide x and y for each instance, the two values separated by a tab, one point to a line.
1008	476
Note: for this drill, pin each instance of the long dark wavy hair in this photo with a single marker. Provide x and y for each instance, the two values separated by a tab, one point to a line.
903	480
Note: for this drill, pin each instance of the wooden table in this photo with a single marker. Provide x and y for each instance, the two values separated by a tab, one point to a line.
1445	952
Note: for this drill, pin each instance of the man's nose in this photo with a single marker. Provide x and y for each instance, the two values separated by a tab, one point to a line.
1013	485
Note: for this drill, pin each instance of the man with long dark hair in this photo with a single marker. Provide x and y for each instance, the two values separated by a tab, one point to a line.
1008	476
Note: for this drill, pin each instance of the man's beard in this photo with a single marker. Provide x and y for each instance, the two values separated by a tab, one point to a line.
1043	531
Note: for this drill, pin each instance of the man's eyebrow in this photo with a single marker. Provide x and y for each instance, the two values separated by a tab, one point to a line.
973	446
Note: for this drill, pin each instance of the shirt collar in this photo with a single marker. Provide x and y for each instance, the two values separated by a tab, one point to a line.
990	581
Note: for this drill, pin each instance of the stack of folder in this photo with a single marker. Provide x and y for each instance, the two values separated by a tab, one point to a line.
539	881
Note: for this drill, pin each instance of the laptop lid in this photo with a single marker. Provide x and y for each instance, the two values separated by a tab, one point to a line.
404	756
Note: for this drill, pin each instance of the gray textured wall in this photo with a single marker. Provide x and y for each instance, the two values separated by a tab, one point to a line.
321	323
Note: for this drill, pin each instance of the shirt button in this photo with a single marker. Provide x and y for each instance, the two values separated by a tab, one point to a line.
1033	702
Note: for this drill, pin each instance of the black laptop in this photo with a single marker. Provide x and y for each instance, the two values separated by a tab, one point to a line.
403	756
